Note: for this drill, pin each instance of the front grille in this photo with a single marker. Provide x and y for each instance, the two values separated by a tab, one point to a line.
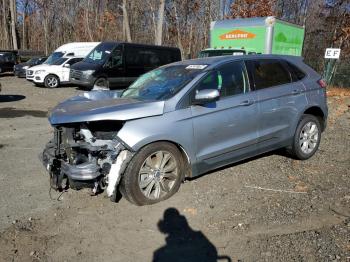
75	74
30	72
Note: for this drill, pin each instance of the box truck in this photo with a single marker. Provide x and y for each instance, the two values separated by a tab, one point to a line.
260	35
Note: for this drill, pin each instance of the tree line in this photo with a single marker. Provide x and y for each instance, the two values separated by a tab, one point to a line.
46	24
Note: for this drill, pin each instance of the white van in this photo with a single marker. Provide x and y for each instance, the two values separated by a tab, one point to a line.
78	49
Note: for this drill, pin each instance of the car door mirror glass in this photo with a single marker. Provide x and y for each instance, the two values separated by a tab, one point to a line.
206	96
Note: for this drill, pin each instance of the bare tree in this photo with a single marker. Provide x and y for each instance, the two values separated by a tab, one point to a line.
126	24
13	11
159	31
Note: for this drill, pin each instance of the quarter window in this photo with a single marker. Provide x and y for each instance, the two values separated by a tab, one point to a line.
297	74
267	73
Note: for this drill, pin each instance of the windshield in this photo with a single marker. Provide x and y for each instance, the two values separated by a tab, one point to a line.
162	83
32	61
53	57
210	53
7	57
59	61
100	53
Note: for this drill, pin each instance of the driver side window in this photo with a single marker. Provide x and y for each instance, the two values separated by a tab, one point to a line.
116	59
229	79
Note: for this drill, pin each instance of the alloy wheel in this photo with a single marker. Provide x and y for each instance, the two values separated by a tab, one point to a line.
308	137
158	175
52	81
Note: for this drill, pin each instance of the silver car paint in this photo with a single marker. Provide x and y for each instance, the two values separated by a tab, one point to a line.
212	135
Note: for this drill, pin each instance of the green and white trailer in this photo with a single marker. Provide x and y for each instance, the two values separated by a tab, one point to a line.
261	35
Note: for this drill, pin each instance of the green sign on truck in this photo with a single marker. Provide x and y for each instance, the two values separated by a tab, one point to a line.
262	35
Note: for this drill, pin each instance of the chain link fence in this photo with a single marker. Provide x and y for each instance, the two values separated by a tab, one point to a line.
335	72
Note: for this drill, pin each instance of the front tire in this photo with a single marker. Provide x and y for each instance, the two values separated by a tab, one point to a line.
51	81
153	175
101	84
307	137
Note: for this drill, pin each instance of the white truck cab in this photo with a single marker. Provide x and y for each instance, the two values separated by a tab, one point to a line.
77	49
55	74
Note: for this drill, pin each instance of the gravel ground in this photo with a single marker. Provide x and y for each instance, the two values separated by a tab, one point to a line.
269	208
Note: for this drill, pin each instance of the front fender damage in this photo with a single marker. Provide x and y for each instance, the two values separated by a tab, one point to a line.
117	169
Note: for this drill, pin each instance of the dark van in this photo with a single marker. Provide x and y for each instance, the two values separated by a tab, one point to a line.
7	60
112	64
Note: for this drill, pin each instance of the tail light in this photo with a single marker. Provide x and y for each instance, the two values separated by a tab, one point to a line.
322	83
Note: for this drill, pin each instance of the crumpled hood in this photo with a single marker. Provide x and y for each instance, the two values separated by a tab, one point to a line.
103	105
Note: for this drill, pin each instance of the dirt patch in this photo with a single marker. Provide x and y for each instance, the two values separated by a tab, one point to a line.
10	112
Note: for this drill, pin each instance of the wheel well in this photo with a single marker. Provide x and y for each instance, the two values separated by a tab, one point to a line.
317	112
53	75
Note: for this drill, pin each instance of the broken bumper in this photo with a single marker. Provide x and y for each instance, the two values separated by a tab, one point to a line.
100	167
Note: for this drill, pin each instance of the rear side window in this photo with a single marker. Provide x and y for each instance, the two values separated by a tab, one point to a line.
296	73
147	57
268	73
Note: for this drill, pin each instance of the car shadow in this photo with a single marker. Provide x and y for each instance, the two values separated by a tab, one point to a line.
11	98
10	112
183	243
6	74
280	152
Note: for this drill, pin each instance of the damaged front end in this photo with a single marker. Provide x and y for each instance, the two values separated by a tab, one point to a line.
86	155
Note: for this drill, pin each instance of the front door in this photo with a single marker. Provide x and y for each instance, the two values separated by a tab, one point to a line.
114	68
225	131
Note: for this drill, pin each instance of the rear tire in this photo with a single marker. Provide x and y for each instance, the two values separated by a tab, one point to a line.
307	138
154	174
51	81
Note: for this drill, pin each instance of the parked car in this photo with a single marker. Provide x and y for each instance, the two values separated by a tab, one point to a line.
20	69
183	120
78	49
7	60
112	64
55	74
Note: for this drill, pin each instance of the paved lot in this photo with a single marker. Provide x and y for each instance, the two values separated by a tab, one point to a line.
269	208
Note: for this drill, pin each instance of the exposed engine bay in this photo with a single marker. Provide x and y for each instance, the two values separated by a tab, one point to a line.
86	155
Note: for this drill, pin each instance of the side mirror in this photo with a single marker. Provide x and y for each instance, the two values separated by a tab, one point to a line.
206	96
67	65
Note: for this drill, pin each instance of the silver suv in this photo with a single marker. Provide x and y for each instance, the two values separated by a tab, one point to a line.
182	120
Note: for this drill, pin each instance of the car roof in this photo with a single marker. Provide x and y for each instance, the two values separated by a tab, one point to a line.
215	61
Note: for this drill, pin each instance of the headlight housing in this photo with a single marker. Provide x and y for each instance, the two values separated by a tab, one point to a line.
88	73
39	71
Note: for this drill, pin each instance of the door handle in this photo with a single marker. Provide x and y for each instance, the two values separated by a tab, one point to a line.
246	103
296	92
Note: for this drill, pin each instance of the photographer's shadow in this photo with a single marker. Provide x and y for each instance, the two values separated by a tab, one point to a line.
182	243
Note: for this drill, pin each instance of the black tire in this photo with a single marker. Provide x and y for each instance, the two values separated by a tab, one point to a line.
129	185
51	81
296	149
101	84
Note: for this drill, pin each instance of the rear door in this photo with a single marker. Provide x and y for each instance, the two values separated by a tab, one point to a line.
278	98
225	131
